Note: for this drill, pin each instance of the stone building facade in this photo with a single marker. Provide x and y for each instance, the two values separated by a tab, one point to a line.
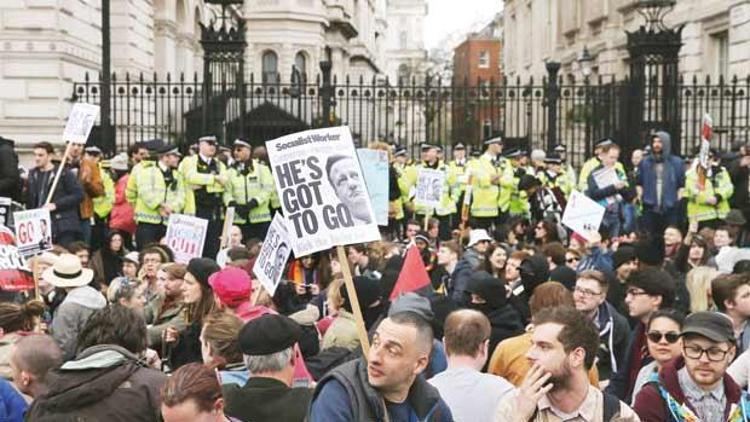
716	36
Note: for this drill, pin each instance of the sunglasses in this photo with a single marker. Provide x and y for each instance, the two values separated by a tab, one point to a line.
571	260
670	336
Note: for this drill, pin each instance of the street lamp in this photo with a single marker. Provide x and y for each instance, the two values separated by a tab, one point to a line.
654	11
584	61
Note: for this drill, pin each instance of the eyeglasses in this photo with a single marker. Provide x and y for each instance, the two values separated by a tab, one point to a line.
670	336
586	292
635	292
714	354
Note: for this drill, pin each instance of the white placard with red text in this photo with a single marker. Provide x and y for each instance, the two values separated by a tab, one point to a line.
33	231
185	236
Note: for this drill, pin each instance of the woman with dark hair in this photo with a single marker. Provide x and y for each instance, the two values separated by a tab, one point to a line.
495	259
16	321
694	252
193	394
663	341
107	261
545	232
220	347
184	346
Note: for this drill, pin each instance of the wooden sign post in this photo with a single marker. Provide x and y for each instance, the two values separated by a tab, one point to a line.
356	310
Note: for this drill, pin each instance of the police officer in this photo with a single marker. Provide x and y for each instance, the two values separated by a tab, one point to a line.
155	191
447	206
249	190
458	168
207	176
518	204
594	162
485	185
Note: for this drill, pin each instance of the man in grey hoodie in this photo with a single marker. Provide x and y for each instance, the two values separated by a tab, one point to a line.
80	302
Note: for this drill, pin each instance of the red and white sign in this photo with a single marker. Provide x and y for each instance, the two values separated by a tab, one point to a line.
185	236
14	273
33	231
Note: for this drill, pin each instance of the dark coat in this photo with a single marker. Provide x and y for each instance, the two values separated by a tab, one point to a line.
188	347
651	407
739	174
614	331
266	399
83	390
673	177
505	322
10	178
67	197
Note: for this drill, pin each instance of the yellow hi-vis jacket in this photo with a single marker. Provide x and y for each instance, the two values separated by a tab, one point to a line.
484	191
195	180
103	204
146	191
247	184
447	204
719	184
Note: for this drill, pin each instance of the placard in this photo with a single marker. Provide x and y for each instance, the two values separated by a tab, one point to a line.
606	176
321	189
185	236
274	253
5	212
582	214
375	169
80	121
430	185
33	231
15	274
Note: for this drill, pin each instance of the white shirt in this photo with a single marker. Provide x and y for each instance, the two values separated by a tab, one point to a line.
471	395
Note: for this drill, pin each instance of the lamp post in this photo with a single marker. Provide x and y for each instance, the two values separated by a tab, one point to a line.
106	134
553	93
584	61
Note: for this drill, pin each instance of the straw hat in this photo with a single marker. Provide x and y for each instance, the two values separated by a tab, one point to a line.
67	272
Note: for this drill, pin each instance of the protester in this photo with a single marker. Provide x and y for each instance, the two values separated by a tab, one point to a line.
108	260
193	393
198	298
235	240
696	385
107	379
220	347
17	321
563	349
660	176
168	309
343	330
470	394
731	294
267	344
127	292
590	299
131	264
89	177
698	283
388	384
80	301
68	194
31	359
122	216
664	344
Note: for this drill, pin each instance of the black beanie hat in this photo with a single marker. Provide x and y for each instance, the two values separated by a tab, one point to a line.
623	254
202	268
565	276
368	292
489	288
534	271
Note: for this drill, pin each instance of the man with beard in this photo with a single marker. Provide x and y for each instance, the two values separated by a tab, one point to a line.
563	348
386	385
659	178
344	176
696	385
488	296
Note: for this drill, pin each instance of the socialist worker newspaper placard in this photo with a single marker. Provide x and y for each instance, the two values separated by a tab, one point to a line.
271	261
322	191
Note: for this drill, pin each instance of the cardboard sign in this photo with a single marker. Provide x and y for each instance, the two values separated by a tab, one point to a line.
15	275
430	184
185	236
271	261
80	121
375	169
322	191
33	231
5	209
582	214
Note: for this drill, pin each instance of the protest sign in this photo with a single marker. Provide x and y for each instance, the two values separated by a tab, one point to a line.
5	207
271	261
606	176
15	275
582	214
430	185
322	191
33	231
375	169
80	121
185	236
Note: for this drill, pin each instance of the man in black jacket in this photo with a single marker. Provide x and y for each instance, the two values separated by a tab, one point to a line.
65	201
739	171
10	178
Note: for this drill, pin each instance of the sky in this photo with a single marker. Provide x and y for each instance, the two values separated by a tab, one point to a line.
450	16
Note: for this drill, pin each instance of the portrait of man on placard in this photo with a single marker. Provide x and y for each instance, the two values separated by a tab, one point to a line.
279	261
346	180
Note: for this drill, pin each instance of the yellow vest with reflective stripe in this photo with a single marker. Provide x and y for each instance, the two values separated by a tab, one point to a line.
256	184
484	192
146	191
103	204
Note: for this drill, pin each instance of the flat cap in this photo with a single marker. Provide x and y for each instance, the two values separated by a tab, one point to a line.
269	334
711	325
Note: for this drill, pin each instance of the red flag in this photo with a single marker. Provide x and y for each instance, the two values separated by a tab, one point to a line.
413	275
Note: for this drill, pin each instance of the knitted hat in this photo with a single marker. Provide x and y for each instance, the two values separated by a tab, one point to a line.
623	254
202	268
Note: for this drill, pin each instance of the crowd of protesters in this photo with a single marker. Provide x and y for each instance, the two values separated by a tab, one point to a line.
523	319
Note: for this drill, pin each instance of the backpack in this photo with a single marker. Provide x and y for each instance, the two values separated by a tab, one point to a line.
611	407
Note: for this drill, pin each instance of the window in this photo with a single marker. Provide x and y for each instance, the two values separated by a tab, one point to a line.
300	62
270	67
720	46
484	59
